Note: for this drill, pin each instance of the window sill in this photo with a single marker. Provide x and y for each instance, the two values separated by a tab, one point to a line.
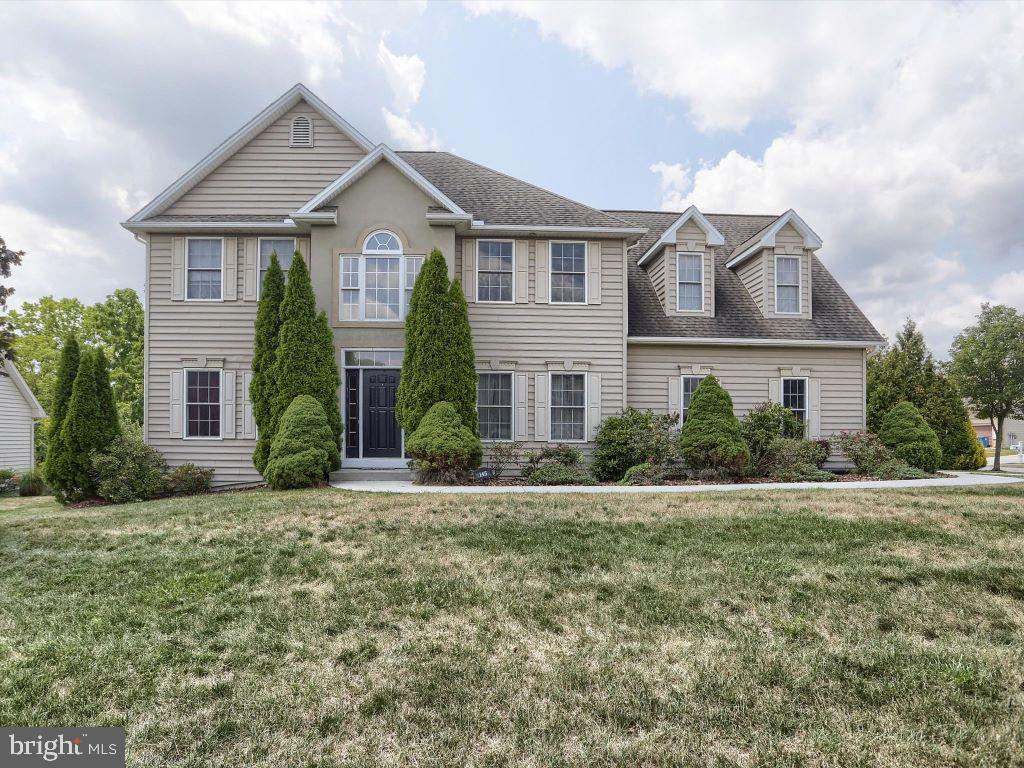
369	324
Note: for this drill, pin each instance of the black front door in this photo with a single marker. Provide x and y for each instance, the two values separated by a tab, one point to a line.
381	436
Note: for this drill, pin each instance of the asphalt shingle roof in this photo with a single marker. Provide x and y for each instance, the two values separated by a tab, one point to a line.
496	198
835	317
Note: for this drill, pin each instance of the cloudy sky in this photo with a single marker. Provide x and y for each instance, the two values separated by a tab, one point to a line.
895	130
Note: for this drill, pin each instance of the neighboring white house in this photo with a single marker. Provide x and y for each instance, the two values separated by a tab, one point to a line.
19	411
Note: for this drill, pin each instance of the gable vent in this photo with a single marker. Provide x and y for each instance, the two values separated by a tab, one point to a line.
302	132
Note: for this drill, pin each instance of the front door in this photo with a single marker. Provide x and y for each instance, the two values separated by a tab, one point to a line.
381	436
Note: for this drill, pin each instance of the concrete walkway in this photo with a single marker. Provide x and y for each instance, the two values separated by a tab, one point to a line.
404	486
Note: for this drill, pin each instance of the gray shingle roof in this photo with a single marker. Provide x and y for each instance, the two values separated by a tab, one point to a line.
835	317
496	198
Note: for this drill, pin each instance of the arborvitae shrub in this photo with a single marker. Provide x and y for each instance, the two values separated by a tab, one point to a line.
108	425
81	435
711	438
263	387
300	454
56	451
905	432
442	447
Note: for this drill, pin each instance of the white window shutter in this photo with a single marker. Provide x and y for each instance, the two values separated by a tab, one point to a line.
542	262
177	269
251	267
228	397
814	408
230	268
522	271
540	407
177	403
469	269
522	384
594	403
775	390
675	384
248	422
302	246
594	272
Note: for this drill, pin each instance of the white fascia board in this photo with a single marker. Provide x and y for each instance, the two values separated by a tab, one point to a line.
11	370
750	342
668	237
227	226
767	240
316	217
380	152
544	229
243	135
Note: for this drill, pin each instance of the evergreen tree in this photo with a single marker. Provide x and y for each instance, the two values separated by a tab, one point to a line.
263	388
944	410
905	432
439	359
108	424
81	434
66	372
305	363
711	436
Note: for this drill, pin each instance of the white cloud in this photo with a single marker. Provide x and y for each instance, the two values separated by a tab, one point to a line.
408	134
405	75
901	142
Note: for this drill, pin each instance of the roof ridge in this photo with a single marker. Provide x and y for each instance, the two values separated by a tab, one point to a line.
680	213
530	184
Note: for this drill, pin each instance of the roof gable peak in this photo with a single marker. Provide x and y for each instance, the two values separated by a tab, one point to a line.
668	237
766	237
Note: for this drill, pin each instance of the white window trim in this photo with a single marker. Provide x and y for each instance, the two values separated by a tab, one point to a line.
586	273
700	256
512	407
399	252
511	300
185	403
259	258
187	268
682	378
799	282
807	398
585	406
403	309
344	403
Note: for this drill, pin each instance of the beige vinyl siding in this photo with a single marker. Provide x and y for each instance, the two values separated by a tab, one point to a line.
533	335
751	272
267	176
194	331
656	271
745	373
16	450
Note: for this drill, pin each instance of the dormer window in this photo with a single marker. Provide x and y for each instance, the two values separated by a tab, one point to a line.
787	285
689	282
302	132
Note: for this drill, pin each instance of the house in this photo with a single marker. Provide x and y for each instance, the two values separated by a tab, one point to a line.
19	411
576	312
1013	432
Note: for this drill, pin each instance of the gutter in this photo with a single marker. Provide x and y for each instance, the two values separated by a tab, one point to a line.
288	225
555	229
697	341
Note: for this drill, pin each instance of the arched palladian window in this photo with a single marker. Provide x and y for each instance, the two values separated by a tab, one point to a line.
302	132
378	285
383	242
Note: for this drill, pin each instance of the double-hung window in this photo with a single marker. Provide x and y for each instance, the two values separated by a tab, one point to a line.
494	270
568	273
377	285
202	403
285	250
205	263
568	407
794	397
689	282
494	405
688	386
787	285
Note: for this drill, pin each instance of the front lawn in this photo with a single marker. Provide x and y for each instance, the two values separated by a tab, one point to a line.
318	628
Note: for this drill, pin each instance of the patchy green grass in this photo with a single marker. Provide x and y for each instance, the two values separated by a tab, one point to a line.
309	629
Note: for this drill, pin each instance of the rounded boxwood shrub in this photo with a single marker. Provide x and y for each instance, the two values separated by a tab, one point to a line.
442	447
644	474
630	438
556	473
905	432
711	437
301	451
